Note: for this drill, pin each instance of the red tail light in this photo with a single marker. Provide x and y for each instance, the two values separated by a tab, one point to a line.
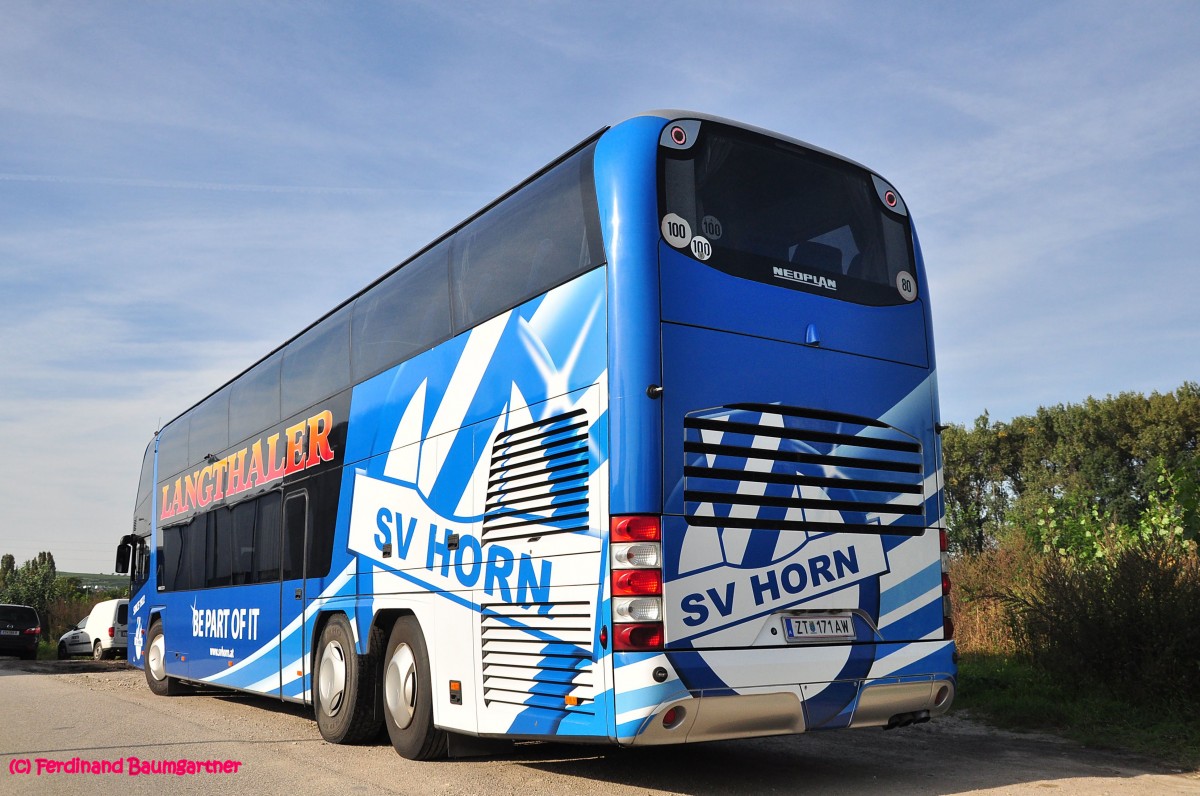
112	633
947	620
635	544
636	529
633	637
636	581
32	631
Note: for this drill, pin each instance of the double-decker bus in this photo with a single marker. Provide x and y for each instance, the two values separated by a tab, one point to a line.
644	452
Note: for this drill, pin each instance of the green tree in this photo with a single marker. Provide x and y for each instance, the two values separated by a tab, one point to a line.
981	479
34	584
8	565
1073	469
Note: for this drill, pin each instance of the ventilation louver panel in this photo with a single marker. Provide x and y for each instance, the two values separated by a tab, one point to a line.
539	655
788	468
538	482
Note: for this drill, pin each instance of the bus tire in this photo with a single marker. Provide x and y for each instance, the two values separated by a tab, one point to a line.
408	694
156	663
344	685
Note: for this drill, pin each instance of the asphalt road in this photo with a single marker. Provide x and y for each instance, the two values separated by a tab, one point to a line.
58	712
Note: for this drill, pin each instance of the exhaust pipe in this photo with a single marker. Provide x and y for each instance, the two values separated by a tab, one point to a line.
905	719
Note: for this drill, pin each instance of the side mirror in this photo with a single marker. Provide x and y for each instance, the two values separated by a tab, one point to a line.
124	550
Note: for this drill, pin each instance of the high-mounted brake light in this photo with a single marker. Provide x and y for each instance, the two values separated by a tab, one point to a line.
635	544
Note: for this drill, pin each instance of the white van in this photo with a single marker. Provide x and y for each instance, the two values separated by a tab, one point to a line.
102	633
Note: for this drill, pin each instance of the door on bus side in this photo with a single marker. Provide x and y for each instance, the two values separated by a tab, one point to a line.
295	530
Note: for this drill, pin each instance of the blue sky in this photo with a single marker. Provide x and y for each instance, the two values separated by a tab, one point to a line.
184	185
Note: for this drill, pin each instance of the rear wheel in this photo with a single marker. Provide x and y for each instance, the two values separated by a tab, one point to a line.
98	651
408	694
344	684
156	663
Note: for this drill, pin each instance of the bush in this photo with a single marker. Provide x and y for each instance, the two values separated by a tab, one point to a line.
1128	620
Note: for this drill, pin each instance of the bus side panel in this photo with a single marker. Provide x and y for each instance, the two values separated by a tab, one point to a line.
628	200
474	498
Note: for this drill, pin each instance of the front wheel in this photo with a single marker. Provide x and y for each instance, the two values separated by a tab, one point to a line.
62	651
408	694
344	685
156	663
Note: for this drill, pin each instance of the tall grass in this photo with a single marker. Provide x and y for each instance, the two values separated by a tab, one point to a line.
980	598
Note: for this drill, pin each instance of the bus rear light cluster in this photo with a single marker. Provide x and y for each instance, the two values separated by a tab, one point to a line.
636	550
947	619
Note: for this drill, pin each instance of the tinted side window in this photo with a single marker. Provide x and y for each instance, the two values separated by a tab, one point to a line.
295	520
208	430
169	556
266	539
243	516
542	235
220	548
254	400
173	448
323	492
317	364
403	315
146	480
195	540
123	614
142	508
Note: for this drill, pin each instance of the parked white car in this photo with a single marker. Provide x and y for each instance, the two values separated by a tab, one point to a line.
101	634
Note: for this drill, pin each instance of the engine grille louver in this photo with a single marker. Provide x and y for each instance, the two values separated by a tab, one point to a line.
540	657
538	482
789	468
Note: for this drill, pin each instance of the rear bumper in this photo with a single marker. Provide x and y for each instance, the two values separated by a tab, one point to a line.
713	717
14	645
706	695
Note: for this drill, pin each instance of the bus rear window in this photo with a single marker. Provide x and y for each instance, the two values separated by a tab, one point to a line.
776	212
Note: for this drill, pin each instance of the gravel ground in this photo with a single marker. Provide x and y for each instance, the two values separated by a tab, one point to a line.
62	710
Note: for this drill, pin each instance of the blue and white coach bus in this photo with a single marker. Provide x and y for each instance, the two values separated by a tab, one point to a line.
644	452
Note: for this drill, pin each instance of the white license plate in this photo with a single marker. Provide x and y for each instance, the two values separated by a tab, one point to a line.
818	627
10	632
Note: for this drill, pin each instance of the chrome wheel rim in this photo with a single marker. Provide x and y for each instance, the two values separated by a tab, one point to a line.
400	686
155	658
331	683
